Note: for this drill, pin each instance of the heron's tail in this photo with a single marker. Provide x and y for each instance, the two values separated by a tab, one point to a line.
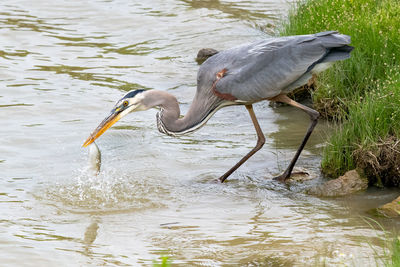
337	48
336	44
338	53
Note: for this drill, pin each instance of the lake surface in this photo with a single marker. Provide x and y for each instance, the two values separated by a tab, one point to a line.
63	66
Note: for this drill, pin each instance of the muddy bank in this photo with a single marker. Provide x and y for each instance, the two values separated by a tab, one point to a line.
381	162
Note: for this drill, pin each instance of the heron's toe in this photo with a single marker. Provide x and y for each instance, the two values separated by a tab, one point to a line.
282	178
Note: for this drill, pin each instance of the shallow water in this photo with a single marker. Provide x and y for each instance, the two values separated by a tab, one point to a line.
63	66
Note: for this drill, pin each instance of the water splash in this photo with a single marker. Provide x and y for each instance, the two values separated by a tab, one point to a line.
109	192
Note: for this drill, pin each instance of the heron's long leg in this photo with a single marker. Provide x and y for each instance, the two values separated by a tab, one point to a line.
260	143
314	115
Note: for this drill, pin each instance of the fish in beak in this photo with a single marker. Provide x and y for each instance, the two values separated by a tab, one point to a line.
103	126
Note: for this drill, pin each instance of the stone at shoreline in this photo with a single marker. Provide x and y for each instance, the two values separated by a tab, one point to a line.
205	53
391	209
349	183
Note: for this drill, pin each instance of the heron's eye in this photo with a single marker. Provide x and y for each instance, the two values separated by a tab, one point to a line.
125	103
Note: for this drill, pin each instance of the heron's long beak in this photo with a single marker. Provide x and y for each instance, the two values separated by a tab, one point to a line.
103	126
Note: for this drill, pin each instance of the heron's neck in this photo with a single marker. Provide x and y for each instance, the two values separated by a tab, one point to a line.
168	119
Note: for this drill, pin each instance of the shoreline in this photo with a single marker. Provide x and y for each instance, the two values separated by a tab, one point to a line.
361	94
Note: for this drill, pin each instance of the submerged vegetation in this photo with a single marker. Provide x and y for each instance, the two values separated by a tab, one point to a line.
163	261
362	94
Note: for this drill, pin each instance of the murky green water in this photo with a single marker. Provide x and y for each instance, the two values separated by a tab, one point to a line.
65	63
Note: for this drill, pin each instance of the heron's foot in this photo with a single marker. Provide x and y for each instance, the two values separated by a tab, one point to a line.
226	175
222	179
282	178
286	177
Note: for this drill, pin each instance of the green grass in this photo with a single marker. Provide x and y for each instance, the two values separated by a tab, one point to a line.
363	91
394	260
371	121
391	251
374	28
385	244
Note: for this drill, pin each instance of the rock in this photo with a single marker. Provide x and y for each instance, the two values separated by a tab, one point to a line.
391	209
205	53
349	183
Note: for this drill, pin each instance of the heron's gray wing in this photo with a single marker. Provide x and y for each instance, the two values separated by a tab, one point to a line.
270	67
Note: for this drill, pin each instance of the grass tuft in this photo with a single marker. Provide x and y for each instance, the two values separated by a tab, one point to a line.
395	254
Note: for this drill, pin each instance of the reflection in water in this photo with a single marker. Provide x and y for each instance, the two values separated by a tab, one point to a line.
97	79
20	20
65	63
140	49
89	237
260	15
8	55
234	10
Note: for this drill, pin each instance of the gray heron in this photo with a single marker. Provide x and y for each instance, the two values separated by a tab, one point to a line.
243	75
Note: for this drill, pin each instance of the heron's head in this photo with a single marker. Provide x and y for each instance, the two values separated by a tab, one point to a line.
132	101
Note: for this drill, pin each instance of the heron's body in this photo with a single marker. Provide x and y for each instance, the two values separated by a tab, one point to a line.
260	71
270	67
265	70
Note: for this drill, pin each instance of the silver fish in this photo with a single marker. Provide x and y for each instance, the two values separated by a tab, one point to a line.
94	158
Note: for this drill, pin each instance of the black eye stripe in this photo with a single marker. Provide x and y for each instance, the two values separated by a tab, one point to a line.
132	93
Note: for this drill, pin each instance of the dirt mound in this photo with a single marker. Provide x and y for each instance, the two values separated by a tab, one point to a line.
381	162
